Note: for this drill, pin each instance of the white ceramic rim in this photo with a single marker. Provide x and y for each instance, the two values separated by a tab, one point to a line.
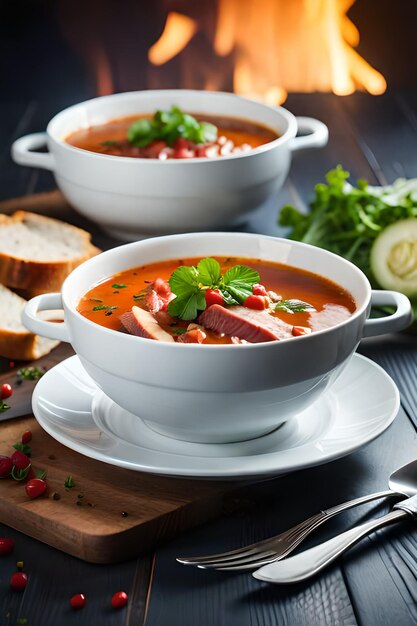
220	473
290	132
250	346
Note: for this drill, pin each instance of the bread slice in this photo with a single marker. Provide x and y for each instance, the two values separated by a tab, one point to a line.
16	342
37	253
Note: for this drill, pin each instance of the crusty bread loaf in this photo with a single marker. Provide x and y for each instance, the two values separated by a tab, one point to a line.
16	342
37	253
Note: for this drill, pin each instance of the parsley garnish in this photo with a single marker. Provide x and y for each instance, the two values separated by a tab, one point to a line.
30	373
190	283
103	307
293	306
168	126
179	331
118	286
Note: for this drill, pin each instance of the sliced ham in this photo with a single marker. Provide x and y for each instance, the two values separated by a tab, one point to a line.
249	324
143	324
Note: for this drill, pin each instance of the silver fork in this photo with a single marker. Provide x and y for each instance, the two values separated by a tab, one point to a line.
402	482
275	548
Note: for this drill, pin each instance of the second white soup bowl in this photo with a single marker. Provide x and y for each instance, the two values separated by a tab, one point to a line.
215	393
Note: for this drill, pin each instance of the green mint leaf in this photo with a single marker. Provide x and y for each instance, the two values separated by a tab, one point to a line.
209	132
238	282
183	280
23	447
179	331
103	307
209	272
237	293
41	473
119	286
141	133
294	306
187	306
241	274
168	126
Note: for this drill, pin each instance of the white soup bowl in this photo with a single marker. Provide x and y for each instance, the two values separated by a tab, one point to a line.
215	393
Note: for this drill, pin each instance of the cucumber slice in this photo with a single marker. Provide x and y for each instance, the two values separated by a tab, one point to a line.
393	257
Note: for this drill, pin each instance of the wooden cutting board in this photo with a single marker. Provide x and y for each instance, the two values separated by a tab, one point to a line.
111	514
89	520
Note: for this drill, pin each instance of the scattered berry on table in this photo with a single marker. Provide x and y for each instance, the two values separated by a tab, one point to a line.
5	391
19	579
6	546
78	601
119	600
27	436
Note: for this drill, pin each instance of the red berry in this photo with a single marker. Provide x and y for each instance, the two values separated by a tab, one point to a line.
6	546
20	460
35	487
18	581
119	599
27	436
6	391
213	296
258	290
78	601
258	303
5	466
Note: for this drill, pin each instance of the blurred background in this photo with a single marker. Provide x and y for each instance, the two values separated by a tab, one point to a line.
76	49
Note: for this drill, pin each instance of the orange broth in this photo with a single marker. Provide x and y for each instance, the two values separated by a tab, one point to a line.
240	131
333	304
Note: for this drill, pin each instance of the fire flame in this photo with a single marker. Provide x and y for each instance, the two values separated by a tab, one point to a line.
280	46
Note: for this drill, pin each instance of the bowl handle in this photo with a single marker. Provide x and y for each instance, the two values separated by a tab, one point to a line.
45	302
318	134
22	152
400	319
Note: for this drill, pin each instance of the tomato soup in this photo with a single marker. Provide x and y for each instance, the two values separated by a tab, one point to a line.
233	136
225	300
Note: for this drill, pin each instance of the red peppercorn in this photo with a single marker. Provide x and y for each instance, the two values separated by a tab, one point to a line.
6	391
5	466
6	546
259	303
258	290
119	599
27	436
78	601
213	296
19	579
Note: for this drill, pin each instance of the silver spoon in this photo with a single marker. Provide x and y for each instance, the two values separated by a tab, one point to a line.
402	482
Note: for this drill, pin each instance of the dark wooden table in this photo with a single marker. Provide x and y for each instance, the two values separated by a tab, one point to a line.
375	584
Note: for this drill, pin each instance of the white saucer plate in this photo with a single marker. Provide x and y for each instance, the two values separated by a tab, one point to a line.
359	406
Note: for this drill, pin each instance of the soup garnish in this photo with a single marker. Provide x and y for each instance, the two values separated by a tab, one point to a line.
172	134
217	300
